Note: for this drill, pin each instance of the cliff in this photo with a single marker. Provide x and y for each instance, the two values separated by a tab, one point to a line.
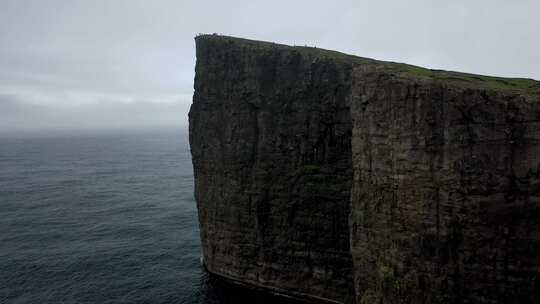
334	178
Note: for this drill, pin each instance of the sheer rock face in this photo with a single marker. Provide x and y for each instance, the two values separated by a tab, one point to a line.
332	177
270	137
446	193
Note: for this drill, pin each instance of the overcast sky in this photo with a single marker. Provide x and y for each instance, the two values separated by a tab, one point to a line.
90	63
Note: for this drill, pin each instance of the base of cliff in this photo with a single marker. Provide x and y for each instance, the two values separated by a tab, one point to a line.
235	290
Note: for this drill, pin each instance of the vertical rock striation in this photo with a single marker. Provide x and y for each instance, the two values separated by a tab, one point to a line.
446	192
270	136
330	177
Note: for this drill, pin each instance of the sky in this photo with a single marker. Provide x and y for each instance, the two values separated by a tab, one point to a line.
83	64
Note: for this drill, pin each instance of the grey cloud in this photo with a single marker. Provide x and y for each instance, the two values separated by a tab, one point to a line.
52	51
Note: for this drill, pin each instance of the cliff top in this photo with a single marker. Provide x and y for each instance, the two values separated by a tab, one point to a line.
522	86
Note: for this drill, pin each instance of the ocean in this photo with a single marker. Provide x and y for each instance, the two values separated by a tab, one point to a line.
104	217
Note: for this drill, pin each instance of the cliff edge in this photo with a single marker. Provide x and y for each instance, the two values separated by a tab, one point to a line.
335	178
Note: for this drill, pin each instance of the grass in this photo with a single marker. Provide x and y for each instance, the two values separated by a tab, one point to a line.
521	85
466	79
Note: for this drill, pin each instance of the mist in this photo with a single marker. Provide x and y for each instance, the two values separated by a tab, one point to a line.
17	116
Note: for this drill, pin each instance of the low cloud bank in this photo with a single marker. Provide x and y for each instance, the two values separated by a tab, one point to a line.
19	116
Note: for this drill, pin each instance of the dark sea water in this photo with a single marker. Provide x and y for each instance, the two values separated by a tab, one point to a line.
103	218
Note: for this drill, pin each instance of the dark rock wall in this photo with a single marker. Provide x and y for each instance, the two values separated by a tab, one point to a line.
270	137
443	205
446	193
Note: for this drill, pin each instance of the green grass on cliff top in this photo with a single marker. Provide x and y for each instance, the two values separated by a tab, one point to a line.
521	85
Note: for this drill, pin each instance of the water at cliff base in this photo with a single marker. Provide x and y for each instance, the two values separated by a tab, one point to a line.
103	218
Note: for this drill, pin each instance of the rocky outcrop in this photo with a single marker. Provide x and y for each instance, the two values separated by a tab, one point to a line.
273	174
334	178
